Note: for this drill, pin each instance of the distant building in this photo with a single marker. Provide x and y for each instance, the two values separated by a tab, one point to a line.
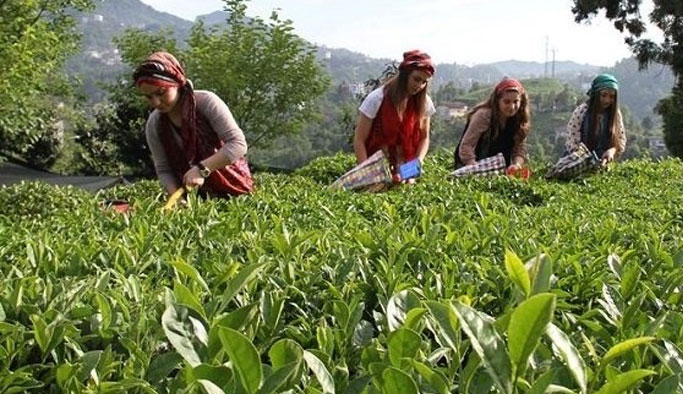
109	57
560	134
357	88
452	110
657	146
344	89
92	18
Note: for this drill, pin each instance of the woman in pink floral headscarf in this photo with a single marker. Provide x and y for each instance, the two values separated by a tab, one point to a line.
193	137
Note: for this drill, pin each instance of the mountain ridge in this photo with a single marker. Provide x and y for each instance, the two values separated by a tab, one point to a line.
99	63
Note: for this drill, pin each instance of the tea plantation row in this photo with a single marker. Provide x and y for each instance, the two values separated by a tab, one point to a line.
300	289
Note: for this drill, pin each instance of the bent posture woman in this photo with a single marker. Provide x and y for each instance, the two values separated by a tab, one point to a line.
499	125
598	122
194	140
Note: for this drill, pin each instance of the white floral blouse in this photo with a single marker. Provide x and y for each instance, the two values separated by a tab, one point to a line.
576	121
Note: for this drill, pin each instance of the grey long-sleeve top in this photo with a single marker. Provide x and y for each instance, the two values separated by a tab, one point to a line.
222	122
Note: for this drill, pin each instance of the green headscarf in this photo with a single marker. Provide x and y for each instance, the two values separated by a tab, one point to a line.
603	81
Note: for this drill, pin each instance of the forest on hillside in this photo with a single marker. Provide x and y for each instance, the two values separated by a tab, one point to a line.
97	127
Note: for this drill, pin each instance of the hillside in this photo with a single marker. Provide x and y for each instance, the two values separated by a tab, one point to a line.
522	69
535	87
465	76
214	18
348	66
302	289
552	99
99	62
640	90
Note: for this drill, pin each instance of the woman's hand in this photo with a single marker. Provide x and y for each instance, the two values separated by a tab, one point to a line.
514	167
193	178
608	156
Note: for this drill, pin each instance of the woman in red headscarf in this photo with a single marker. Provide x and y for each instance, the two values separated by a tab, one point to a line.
498	125
395	116
193	137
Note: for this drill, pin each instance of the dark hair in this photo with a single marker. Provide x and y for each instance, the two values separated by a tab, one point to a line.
595	109
397	89
522	119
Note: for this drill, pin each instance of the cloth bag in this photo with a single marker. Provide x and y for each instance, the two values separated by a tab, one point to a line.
373	174
578	161
494	165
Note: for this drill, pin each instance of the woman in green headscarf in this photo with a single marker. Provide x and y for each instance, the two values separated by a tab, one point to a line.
598	122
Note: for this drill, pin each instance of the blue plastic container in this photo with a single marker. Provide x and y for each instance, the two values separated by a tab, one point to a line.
411	169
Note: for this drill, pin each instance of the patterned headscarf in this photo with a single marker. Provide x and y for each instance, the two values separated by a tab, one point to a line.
509	84
160	69
164	70
417	60
602	82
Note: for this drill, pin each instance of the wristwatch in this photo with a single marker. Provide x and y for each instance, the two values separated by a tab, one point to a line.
203	170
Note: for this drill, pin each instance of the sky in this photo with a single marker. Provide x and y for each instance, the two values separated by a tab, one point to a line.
461	31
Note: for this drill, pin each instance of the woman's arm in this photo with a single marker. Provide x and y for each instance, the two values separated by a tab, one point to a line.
194	178
620	147
518	156
161	165
574	127
366	114
223	123
479	124
360	135
621	134
423	146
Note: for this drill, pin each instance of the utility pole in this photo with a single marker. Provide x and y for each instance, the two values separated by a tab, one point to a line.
545	65
554	53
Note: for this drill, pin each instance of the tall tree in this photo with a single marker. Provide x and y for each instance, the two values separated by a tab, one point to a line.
36	37
267	75
115	143
667	15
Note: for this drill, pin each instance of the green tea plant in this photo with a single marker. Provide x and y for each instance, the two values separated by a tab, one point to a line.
478	285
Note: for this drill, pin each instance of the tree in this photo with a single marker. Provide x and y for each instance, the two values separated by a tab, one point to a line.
475	86
667	15
671	110
447	93
266	74
115	143
647	123
36	37
566	99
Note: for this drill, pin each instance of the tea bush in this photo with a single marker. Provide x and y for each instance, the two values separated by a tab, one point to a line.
470	286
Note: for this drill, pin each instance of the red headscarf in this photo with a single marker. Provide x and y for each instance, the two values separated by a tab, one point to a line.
509	84
417	60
